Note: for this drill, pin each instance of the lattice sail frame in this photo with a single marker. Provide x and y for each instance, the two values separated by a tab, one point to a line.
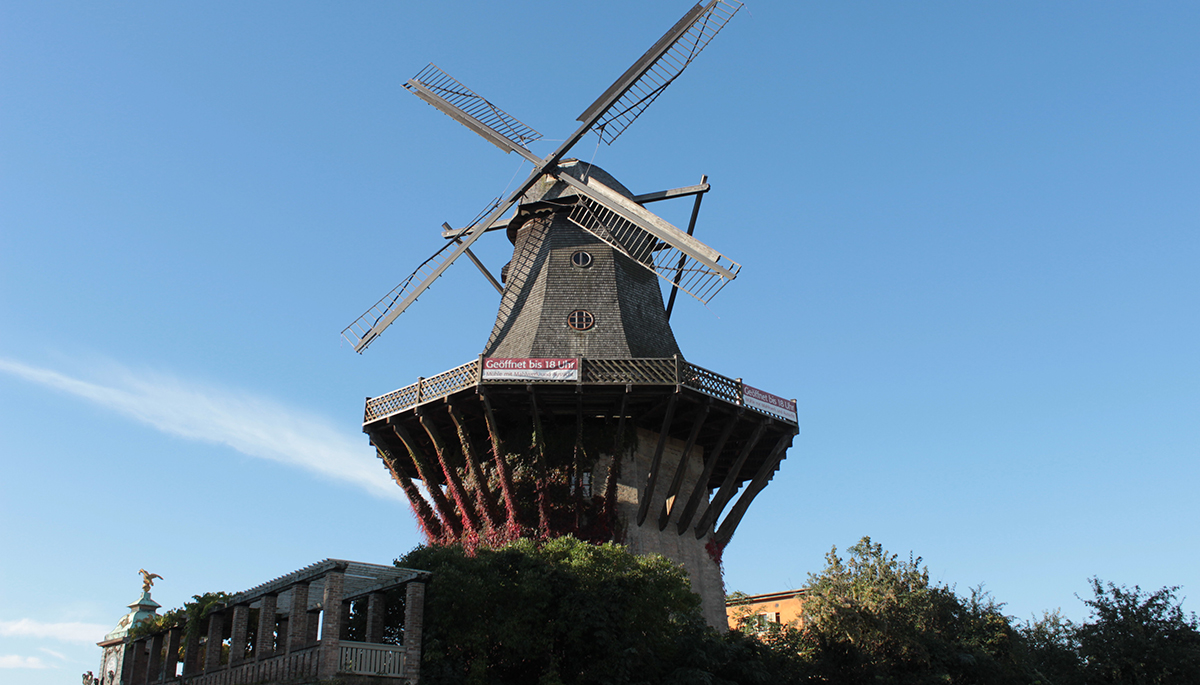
475	106
664	259
356	332
662	70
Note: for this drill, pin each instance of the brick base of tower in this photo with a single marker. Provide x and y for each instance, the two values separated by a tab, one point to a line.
704	571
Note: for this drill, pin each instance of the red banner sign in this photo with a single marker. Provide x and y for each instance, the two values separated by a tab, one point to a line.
768	403
530	369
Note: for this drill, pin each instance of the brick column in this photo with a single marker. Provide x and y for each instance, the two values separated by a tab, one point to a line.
264	644
331	625
298	617
126	674
376	612
191	653
212	649
136	662
237	638
171	654
154	664
414	625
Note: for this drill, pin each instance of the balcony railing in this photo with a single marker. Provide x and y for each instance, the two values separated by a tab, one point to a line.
362	658
671	371
299	665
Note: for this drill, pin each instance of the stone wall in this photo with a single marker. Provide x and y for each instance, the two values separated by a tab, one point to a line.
693	554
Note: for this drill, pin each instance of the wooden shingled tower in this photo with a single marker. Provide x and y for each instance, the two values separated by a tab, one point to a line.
581	416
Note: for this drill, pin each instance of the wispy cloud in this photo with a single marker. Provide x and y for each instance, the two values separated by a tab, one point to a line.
255	426
51	652
66	632
15	661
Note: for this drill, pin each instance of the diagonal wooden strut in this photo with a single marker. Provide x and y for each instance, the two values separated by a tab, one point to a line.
691	231
539	449
647	493
484	498
498	454
665	515
453	483
701	487
450	518
425	517
765	472
730	485
614	467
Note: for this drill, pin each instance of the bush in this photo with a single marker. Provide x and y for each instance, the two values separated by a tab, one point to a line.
571	612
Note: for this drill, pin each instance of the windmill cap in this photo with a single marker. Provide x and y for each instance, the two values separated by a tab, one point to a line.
548	189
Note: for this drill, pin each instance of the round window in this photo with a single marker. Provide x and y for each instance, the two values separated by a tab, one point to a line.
581	320
581	259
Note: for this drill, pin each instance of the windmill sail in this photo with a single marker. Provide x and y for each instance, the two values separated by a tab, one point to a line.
643	82
368	326
473	111
649	240
364	329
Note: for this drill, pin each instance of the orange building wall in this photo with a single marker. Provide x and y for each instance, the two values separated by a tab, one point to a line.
785	608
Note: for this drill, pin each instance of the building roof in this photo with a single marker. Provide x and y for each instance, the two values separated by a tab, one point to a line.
765	597
143	607
359	579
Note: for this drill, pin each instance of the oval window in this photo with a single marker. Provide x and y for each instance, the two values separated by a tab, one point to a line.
581	259
581	320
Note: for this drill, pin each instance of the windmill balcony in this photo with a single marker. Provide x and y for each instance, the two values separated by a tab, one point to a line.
702	437
670	372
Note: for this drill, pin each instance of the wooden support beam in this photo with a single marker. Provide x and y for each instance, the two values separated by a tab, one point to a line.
577	457
453	483
614	467
498	454
652	478
764	475
701	487
681	468
427	519
539	460
425	471
730	485
685	191
483	494
683	258
656	196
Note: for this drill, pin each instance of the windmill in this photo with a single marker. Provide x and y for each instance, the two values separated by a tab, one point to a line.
620	221
594	423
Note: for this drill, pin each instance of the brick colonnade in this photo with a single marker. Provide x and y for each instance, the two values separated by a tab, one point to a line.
155	658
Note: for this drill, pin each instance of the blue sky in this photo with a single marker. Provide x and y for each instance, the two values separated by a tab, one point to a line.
968	231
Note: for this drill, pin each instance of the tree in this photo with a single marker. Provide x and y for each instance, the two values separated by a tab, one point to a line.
875	618
1052	650
1138	637
572	612
564	611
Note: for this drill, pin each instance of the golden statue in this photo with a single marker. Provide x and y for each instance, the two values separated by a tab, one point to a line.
148	579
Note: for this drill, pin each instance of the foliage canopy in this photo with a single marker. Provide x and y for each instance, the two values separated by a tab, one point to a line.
568	611
873	617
